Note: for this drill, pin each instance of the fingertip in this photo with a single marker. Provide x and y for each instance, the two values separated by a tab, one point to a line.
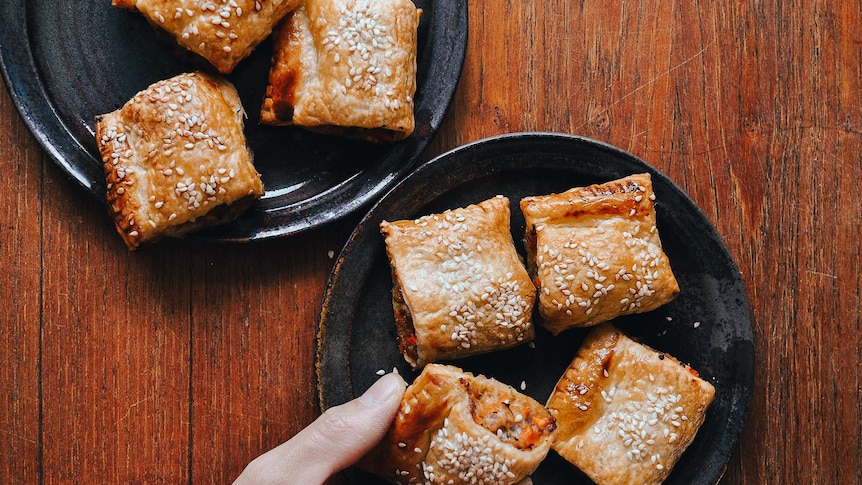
387	388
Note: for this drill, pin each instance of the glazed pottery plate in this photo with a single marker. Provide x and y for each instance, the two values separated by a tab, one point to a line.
709	325
66	61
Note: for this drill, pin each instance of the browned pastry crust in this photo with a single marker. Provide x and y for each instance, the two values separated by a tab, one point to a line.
459	287
595	253
224	32
349	72
176	158
625	412
453	427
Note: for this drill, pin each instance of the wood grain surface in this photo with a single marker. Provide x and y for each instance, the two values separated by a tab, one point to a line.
182	362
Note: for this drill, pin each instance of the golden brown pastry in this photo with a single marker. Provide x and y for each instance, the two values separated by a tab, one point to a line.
346	67
625	412
595	253
453	427
223	32
459	287
176	158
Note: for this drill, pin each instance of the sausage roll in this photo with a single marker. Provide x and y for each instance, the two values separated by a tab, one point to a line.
595	253
625	412
346	67
453	427
223	32
176	158
459	287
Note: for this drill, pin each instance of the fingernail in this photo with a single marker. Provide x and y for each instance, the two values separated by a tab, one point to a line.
382	390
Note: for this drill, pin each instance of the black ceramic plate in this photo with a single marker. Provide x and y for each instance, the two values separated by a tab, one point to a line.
66	61
356	329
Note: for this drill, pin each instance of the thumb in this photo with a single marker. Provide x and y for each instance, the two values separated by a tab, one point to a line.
334	441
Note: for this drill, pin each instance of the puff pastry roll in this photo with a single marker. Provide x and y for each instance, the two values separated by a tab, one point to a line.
176	159
454	427
224	32
346	67
595	253
459	287
625	412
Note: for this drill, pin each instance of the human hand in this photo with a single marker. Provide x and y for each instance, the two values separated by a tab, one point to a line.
334	441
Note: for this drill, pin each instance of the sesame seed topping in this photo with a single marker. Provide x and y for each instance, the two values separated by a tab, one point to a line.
466	459
479	298
369	44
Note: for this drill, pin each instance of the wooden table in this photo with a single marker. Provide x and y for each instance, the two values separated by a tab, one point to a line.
180	363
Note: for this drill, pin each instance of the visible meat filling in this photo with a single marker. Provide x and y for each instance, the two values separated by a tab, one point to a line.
509	417
403	323
530	242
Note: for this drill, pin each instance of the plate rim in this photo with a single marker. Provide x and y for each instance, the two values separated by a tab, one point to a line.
325	381
26	87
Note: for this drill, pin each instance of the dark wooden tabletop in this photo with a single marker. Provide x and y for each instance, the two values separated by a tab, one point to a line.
182	362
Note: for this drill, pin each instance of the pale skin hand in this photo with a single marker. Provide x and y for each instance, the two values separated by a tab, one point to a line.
333	442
